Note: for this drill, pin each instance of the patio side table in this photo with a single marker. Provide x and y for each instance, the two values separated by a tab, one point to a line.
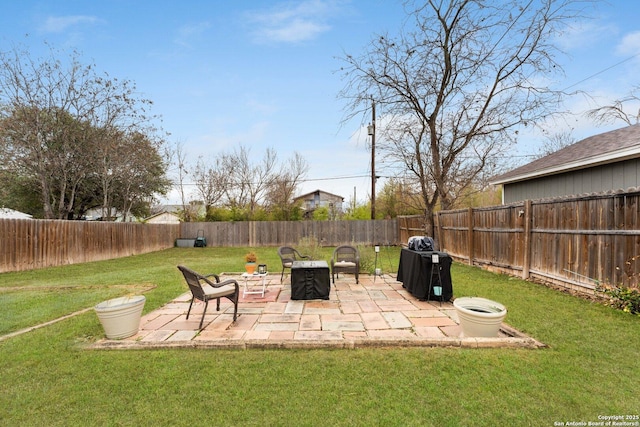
249	289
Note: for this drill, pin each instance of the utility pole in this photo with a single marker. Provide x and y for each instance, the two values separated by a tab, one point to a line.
372	132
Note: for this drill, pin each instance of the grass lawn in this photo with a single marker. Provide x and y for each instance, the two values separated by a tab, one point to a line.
591	368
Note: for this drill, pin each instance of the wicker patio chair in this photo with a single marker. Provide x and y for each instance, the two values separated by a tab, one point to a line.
204	289
346	259
288	255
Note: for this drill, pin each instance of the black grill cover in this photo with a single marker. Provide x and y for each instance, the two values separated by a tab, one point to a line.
420	243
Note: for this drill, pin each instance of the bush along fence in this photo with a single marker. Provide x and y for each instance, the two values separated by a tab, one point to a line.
583	243
29	244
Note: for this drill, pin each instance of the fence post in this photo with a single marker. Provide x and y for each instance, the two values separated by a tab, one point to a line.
526	241
252	233
438	231
470	235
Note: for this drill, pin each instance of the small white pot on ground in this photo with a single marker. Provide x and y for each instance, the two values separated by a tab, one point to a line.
479	317
120	317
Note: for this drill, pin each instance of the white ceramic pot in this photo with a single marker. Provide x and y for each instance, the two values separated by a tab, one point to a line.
120	317
479	317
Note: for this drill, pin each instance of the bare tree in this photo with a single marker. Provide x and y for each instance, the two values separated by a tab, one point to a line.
248	181
284	185
455	85
211	181
554	142
35	126
619	110
181	156
234	180
67	128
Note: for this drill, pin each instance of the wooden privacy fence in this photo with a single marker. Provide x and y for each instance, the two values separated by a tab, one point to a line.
28	244
578	241
279	233
413	225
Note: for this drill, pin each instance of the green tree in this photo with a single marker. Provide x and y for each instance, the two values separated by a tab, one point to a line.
360	211
321	214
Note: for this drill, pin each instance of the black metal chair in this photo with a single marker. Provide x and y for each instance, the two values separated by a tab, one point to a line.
288	255
204	289
346	259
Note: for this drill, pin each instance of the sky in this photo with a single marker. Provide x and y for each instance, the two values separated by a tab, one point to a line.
265	74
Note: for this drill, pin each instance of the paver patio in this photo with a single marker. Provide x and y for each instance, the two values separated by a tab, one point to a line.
376	312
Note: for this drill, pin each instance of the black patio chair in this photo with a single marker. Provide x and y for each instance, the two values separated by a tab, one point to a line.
204	289
288	255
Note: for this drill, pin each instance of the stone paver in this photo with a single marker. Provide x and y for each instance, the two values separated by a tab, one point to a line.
396	320
429	332
342	326
369	306
350	307
318	335
257	335
294	307
276	326
183	336
432	321
280	318
279	336
374	321
373	312
160	335
310	322
158	321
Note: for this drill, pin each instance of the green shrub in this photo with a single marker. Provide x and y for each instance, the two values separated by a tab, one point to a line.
367	260
310	246
622	297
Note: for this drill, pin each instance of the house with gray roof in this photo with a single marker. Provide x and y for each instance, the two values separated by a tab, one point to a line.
605	162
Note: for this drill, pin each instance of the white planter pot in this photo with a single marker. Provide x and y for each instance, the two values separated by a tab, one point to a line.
479	317
120	317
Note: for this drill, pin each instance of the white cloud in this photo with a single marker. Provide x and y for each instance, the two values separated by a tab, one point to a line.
293	22
630	44
583	35
295	31
59	24
188	33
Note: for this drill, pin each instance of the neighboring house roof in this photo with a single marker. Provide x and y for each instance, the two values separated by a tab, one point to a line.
176	209
163	218
6	213
609	147
166	208
304	196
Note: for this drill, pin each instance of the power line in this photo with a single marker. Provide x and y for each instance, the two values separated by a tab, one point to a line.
602	71
334	178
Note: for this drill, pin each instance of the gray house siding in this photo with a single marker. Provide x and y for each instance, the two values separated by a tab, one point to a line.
597	179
